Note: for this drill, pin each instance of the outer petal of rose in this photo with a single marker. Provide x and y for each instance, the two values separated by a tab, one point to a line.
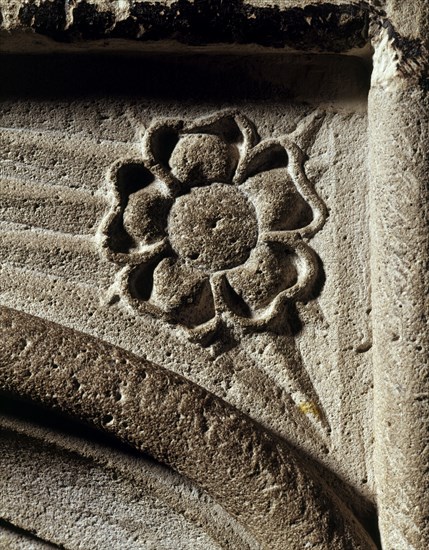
161	138
145	216
126	175
202	158
182	291
231	125
158	143
267	156
267	272
279	205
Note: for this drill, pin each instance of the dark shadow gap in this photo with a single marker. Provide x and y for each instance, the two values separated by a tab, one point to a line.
27	534
24	410
202	77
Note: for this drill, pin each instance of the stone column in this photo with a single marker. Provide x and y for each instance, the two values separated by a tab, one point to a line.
399	167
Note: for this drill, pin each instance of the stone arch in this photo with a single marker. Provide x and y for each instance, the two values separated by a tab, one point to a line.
255	477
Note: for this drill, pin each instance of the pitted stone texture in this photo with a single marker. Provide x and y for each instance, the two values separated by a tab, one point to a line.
295	375
267	274
183	291
145	219
17	539
305	375
302	24
399	107
214	227
202	159
101	495
281	205
256	478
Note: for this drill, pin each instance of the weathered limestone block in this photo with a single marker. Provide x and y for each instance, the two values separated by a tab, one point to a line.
213	274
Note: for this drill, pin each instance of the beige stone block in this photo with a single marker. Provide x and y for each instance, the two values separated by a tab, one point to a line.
213	275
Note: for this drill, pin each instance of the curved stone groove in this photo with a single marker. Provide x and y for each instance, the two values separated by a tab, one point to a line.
72	163
131	476
51	207
253	476
43	476
74	257
12	536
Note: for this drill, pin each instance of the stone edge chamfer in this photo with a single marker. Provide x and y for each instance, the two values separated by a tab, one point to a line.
398	110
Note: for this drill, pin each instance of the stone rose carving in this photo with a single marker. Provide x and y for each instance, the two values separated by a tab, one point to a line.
210	225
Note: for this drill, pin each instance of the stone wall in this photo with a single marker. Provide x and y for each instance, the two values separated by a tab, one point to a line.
213	274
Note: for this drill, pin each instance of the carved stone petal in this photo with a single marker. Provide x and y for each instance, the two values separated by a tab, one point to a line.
200	159
145	217
231	125
234	129
198	152
183	291
278	203
268	271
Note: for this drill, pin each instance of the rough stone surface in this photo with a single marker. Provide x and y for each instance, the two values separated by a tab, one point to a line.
213	274
325	26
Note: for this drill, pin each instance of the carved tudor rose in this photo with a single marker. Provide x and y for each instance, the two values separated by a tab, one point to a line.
210	224
153	298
